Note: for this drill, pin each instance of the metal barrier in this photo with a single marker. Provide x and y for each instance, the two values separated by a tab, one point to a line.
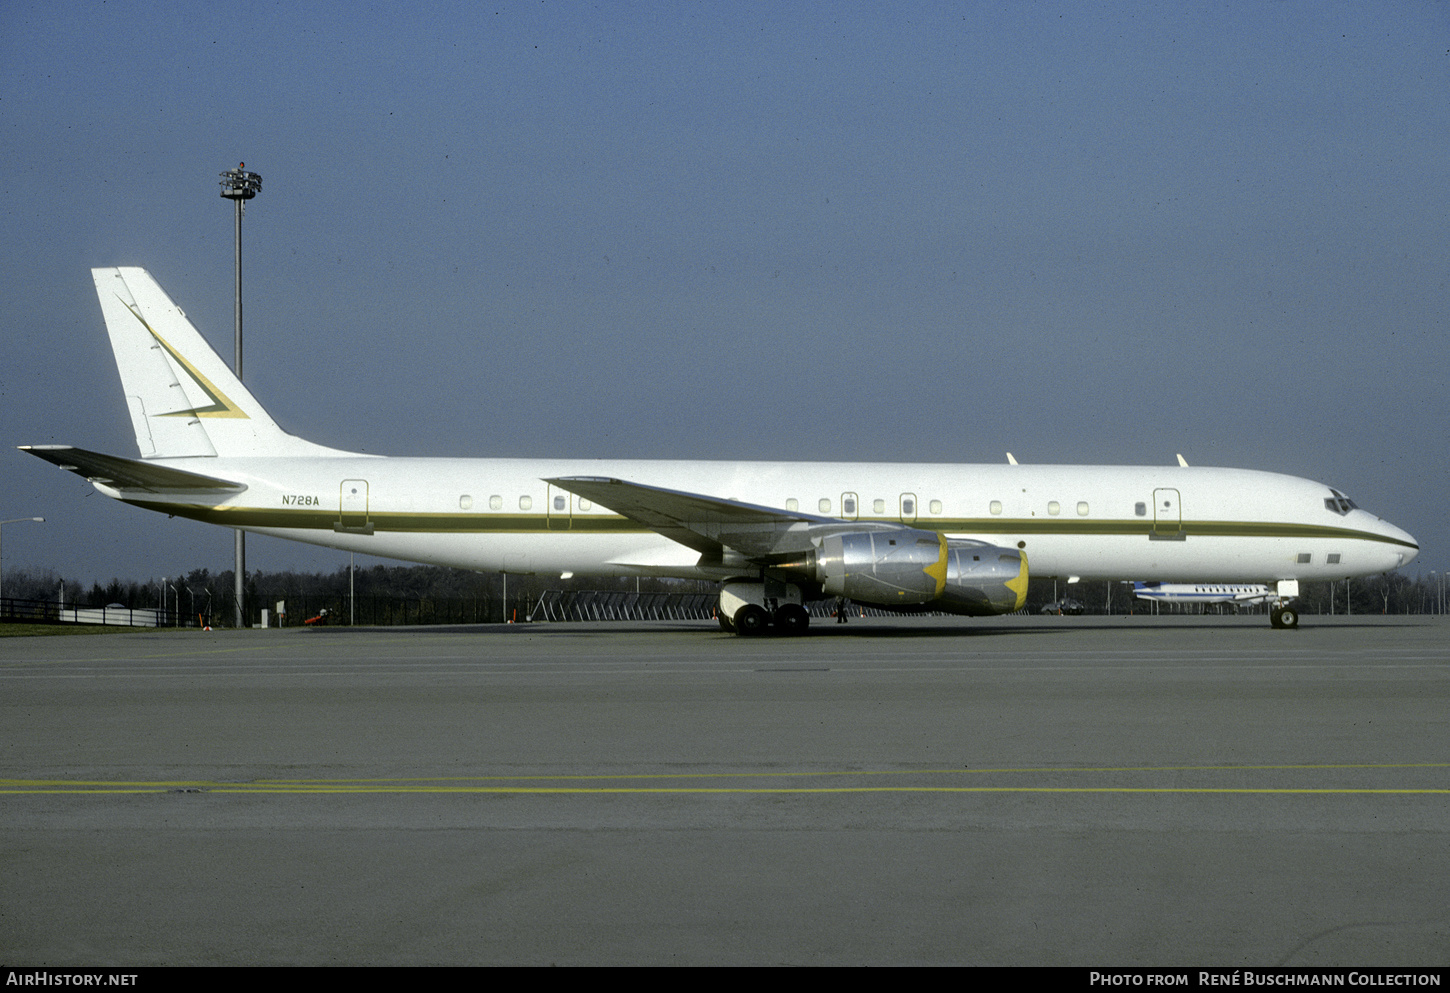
603	605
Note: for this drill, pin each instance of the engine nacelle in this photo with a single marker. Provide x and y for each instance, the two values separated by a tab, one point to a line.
905	567
911	568
983	579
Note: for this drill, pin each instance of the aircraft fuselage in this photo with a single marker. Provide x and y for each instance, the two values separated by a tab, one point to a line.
1107	522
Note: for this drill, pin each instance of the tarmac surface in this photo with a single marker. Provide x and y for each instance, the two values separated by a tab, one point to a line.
1035	791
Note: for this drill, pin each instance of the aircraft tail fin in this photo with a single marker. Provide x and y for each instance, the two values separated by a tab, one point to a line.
183	399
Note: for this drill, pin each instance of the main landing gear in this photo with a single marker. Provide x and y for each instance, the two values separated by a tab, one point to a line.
749	609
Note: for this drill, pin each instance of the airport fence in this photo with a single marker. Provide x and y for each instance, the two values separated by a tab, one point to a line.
51	612
557	606
330	610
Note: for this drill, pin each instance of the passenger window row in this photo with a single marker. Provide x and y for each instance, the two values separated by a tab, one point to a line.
1054	508
851	506
526	502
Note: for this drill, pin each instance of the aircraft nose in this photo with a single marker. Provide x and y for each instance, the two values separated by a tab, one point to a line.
1407	548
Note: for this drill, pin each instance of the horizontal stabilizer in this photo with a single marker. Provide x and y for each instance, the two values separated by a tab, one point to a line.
129	474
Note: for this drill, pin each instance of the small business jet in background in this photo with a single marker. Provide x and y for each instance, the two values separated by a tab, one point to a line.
775	535
1205	593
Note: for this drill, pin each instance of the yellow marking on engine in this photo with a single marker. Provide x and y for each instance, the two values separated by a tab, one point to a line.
938	571
1018	585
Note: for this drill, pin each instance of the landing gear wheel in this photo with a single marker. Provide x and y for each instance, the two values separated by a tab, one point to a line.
726	624
1284	617
792	619
751	620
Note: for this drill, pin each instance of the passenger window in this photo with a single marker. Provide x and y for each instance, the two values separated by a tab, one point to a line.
1054	508
792	504
935	506
585	504
908	505
465	502
1082	508
825	505
1334	558
995	506
1141	509
526	503
848	505
878	506
495	502
559	502
1304	558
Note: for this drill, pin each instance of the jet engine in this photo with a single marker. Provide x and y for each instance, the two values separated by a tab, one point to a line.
921	570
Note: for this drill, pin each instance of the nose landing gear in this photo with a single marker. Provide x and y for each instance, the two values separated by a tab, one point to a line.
1281	615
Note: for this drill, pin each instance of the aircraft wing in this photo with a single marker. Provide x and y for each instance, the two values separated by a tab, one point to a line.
129	474
711	525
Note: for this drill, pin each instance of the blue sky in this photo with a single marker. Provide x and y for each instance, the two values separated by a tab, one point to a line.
1090	233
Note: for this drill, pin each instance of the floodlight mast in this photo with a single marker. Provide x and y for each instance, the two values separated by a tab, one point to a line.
239	186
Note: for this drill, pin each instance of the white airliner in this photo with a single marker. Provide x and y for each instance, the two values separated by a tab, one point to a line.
1244	593
776	535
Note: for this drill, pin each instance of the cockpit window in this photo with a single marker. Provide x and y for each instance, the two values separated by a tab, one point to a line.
1339	503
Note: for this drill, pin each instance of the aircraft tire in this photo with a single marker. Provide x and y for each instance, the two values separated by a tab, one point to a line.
726	625
1285	617
792	619
751	620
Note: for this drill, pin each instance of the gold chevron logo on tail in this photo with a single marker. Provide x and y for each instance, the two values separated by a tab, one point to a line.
221	405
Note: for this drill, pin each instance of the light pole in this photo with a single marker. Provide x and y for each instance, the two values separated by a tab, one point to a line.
239	186
13	520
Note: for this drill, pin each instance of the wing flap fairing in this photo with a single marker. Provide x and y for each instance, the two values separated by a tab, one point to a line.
712	525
